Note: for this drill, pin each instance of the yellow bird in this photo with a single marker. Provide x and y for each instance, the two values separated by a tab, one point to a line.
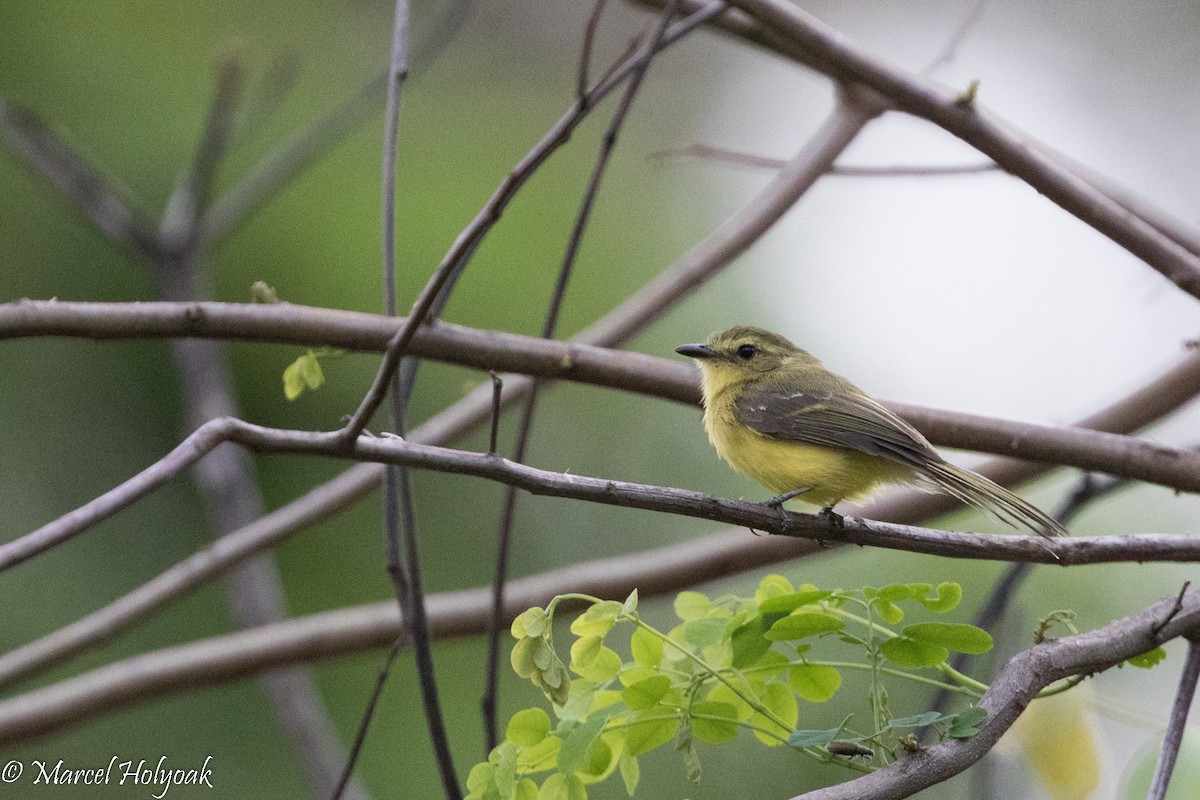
774	413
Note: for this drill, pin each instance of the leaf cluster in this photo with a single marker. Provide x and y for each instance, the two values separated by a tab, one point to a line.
730	663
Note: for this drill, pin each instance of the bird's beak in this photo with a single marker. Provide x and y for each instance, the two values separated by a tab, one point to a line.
700	351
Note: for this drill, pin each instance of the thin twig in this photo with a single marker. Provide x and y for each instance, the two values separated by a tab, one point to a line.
364	724
1064	551
585	58
834	54
284	163
186	453
1177	723
1089	489
549	331
99	199
435	291
206	564
723	155
497	390
403	552
950	50
179	228
226	478
1011	691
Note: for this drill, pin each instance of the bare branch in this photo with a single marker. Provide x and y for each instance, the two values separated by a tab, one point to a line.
1085	445
179	228
1013	688
794	33
448	270
279	167
721	155
222	659
1063	551
950	51
549	330
188	452
1178	721
30	139
216	559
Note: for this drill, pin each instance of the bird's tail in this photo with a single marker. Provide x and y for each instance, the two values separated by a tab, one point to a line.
976	490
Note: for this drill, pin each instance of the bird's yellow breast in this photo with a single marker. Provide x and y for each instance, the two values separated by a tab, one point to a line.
830	474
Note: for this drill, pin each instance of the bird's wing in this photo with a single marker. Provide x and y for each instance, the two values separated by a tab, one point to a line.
851	421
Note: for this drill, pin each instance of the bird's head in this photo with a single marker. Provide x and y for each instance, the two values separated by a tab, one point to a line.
744	352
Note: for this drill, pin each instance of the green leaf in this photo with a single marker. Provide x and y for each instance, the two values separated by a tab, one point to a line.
721	693
704	632
813	738
887	611
691	605
600	762
544	655
959	638
598	619
504	756
532	622
528	727
918	720
946	598
630	772
780	700
541	756
906	652
310	370
293	379
714	731
748	643
631	675
802	624
579	703
303	373
646	692
646	647
554	682
773	586
482	777
574	753
815	683
771	665
787	603
523	657
966	724
585	651
1148	659
562	787
603	667
643	735
526	790
631	603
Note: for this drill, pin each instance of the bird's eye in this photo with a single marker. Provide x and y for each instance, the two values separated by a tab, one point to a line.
747	352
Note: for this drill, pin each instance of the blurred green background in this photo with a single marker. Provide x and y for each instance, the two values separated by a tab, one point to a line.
128	84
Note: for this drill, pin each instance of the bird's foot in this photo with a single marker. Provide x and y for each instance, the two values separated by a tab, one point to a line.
835	519
778	500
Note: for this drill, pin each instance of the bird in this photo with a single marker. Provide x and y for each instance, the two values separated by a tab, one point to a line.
775	414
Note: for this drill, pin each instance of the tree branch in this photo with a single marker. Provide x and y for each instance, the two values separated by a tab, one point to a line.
1013	688
1091	450
791	31
71	702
